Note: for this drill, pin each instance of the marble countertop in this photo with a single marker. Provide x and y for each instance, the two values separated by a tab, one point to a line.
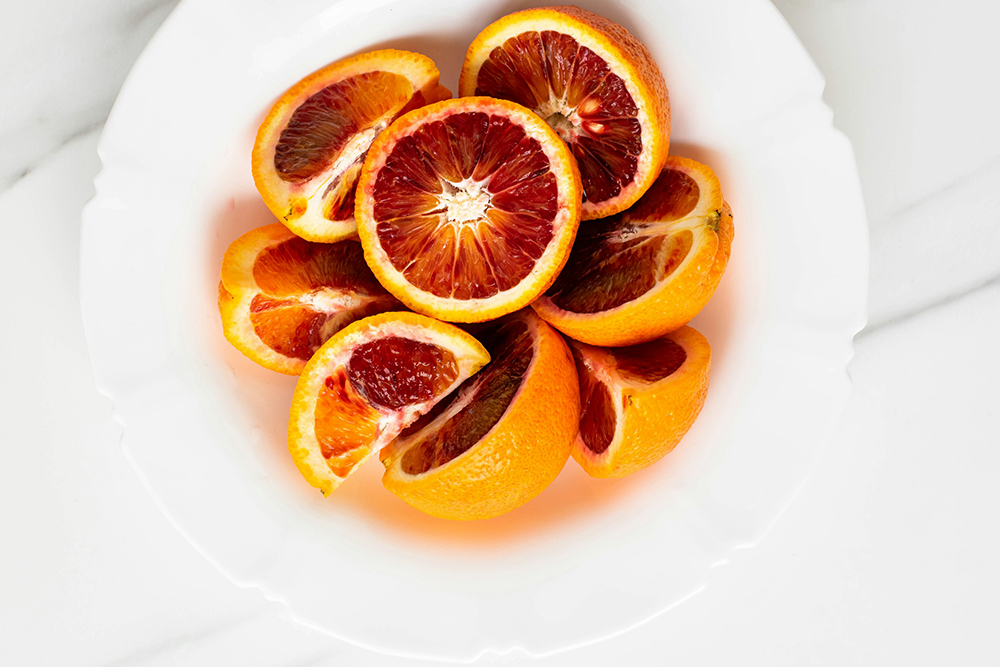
888	552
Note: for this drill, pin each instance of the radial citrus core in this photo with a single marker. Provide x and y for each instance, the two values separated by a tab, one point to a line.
574	90
481	400
620	258
464	206
333	129
309	291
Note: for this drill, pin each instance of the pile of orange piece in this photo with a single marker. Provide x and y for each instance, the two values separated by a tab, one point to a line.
403	211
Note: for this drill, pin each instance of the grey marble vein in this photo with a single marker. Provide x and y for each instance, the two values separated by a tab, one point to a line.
42	159
940	303
945	246
914	88
174	644
64	62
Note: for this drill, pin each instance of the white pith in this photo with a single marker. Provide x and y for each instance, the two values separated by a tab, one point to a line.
465	201
340	306
329	300
352	153
560	116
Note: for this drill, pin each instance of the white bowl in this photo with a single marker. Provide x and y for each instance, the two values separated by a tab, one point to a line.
205	427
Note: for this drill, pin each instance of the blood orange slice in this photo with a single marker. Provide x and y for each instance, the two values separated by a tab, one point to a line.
367	383
310	148
592	81
647	271
467	208
502	437
638	401
282	297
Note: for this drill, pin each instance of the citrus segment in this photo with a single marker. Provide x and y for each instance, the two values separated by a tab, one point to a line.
598	418
368	383
281	297
467	208
649	362
511	345
639	274
393	372
638	402
593	82
309	150
502	437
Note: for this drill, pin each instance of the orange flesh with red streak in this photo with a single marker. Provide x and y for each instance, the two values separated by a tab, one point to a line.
511	349
289	273
618	259
323	124
344	419
381	376
463	153
647	363
596	114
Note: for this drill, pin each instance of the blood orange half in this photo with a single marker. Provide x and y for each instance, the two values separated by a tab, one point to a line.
648	270
309	150
467	208
592	81
281	297
502	437
639	401
368	383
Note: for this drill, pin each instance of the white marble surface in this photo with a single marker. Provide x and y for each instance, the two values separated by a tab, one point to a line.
888	554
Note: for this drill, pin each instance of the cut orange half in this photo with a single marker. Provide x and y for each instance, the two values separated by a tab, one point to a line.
502	437
368	383
592	81
642	273
638	401
310	148
467	208
281	297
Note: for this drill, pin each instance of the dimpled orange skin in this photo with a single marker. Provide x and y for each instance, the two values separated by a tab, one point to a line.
520	455
674	302
289	207
630	59
561	164
653	418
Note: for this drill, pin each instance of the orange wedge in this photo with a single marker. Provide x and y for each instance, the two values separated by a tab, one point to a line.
369	382
467	208
502	437
309	150
593	82
282	297
638	401
646	271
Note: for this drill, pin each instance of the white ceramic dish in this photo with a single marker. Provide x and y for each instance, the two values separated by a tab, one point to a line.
205	427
